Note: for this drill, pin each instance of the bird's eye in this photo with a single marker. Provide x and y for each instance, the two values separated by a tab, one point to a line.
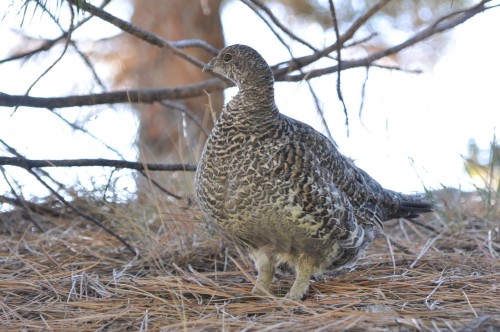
227	57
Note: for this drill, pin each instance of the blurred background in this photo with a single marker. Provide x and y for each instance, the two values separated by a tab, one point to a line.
422	119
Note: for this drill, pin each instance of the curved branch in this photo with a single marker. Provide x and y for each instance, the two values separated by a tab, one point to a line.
147	36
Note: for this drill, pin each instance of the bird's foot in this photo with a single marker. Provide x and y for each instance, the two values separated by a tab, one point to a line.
295	296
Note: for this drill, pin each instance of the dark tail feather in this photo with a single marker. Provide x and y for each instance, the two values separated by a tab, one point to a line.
412	209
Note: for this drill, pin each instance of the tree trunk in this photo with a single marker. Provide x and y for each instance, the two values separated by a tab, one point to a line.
165	134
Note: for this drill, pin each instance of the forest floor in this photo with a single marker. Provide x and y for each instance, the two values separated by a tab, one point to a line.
441	274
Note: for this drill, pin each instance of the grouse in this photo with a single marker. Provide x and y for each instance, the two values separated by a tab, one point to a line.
280	189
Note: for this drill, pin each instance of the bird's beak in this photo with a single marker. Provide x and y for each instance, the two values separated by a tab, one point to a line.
209	66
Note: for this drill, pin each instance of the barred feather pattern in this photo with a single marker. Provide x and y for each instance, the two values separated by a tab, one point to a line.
282	190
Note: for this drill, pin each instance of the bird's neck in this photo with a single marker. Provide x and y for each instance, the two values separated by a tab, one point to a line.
261	96
256	92
254	100
252	109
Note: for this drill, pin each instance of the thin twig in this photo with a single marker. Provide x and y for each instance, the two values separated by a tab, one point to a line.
37	208
431	30
146	36
361	41
188	112
82	213
276	22
59	58
197	43
159	186
363	94
307	60
22	202
339	43
89	64
86	132
48	44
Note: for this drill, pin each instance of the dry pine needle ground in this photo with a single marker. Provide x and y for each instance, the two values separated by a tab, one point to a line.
74	277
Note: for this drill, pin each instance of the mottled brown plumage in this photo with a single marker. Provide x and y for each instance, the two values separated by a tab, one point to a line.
282	190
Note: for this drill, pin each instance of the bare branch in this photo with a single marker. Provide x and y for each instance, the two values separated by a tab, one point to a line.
38	163
146	96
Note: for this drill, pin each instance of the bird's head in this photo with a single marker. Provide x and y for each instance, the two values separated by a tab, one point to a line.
243	65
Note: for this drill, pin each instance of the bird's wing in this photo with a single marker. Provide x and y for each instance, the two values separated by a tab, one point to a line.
367	197
325	212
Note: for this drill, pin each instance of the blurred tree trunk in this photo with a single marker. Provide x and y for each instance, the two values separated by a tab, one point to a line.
165	134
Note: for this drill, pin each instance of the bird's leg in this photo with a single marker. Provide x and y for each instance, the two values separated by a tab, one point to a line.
265	268
303	271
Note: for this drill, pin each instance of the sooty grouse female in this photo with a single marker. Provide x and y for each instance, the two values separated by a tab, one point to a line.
282	190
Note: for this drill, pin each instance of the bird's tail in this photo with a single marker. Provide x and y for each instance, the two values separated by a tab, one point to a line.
409	206
410	209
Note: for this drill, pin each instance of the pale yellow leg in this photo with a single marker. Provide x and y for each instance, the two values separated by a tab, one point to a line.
265	268
303	271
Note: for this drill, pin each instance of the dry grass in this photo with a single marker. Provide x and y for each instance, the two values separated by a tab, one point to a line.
75	277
